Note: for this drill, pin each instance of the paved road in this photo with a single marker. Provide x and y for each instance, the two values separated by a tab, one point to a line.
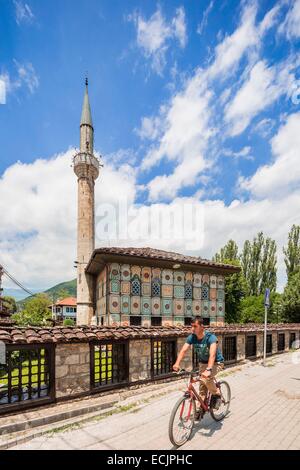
265	414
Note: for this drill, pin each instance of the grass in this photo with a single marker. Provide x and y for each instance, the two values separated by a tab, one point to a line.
26	377
229	372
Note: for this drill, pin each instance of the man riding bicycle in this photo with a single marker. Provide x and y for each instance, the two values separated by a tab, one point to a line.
209	356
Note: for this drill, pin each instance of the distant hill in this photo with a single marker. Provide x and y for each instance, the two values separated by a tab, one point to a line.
17	294
69	287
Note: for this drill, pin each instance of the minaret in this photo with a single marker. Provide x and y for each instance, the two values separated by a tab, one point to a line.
86	168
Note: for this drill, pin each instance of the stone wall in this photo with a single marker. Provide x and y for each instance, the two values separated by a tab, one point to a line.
72	369
139	360
72	360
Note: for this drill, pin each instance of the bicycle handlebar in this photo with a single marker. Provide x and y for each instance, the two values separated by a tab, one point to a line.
192	372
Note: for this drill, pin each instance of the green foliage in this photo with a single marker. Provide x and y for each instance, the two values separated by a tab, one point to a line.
291	299
10	304
228	252
59	291
64	289
235	290
292	251
35	311
259	264
68	322
253	309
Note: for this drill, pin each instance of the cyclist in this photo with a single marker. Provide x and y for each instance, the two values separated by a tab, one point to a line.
209	356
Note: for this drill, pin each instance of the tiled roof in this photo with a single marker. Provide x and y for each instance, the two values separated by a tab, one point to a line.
68	301
30	335
152	253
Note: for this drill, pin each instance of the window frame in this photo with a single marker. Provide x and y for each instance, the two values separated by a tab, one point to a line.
163	341
34	402
229	337
114	385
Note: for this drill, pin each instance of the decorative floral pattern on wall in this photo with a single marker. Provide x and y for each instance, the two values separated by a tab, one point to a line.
146	291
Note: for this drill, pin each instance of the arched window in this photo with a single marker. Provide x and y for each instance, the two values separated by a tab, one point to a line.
155	288
136	286
188	290
205	292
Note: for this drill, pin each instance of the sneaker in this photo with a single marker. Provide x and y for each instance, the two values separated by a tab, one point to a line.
199	414
216	402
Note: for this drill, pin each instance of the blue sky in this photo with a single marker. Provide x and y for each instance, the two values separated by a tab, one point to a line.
191	100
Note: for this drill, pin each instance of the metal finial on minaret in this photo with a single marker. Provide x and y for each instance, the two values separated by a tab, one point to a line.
86	81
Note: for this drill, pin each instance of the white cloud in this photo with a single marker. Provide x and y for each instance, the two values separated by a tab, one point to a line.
38	207
26	76
39	210
185	133
244	153
291	25
229	52
179	26
282	175
264	86
4	81
264	127
202	25
182	129
23	12
154	35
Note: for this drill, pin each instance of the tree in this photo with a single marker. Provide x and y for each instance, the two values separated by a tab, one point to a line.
235	290
291	299
269	266
35	311
253	309
292	251
228	252
10	304
259	264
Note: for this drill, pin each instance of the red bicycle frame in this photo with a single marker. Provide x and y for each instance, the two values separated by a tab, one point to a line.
191	392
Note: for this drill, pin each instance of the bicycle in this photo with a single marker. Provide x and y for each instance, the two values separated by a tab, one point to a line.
187	404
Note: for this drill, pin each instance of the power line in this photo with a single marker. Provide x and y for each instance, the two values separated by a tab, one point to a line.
17	282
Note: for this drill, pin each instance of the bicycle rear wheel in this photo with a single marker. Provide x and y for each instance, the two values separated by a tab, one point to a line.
182	421
220	413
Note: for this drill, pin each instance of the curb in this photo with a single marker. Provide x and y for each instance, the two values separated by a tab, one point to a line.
50	419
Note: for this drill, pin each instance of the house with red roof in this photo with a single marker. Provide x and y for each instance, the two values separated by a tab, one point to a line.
64	308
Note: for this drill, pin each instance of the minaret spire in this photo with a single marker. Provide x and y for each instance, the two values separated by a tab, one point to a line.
86	115
86	124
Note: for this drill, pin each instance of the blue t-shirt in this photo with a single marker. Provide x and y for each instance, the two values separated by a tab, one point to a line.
202	346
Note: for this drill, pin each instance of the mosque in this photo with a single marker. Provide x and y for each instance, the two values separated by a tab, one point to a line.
136	286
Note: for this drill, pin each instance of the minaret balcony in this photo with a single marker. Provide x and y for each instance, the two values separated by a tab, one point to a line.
86	165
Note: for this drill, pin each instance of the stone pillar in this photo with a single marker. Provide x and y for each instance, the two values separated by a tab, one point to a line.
259	345
274	342
220	342
286	340
240	347
72	369
139	359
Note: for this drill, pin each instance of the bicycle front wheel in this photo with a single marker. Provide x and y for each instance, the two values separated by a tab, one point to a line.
221	411
182	421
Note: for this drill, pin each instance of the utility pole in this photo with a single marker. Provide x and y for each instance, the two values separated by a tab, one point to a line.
267	305
1	290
